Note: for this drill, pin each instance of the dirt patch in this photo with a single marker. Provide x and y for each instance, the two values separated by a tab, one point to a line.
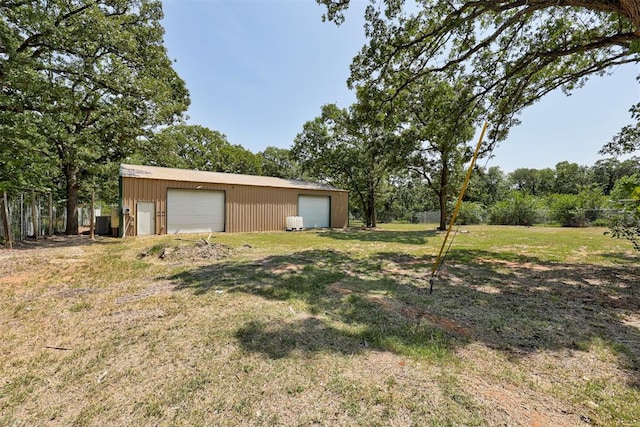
155	289
200	251
340	288
26	260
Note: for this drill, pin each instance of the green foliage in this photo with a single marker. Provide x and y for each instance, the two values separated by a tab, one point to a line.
623	189
577	210
536	182
279	163
350	149
518	209
606	172
628	139
438	120
85	81
515	52
566	211
471	213
405	197
487	186
199	148
570	178
626	225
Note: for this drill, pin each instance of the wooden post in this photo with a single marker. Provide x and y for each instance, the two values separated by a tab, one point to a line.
6	222
92	218
34	214
50	233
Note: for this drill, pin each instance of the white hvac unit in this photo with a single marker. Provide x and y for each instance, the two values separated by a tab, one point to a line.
294	223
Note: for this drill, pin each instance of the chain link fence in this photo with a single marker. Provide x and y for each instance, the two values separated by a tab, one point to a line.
32	215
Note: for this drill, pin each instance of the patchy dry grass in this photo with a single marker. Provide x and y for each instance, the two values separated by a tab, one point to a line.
527	326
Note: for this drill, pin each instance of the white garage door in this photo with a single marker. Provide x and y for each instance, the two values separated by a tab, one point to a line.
194	211
315	211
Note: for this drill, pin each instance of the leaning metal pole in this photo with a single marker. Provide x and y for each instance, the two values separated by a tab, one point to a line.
437	263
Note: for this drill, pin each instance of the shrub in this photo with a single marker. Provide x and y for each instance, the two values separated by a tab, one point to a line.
471	213
566	211
577	210
518	209
627	223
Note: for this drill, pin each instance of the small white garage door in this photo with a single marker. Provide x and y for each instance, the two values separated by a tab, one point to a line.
315	211
194	211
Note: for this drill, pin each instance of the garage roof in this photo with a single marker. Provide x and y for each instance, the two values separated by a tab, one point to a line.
173	174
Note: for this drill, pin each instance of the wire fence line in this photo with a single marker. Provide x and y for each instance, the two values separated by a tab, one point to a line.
35	214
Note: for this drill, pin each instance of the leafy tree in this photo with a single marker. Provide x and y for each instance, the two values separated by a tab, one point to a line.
516	51
606	172
471	213
407	196
92	76
628	139
25	160
440	124
279	162
536	182
199	148
487	186
570	178
346	148
577	210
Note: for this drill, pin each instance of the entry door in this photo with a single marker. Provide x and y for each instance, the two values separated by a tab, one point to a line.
146	218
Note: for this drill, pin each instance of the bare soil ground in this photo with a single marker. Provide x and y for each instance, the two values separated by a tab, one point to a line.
210	334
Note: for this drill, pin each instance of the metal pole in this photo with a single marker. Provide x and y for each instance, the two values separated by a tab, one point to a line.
34	214
50	233
22	227
6	221
92	220
436	264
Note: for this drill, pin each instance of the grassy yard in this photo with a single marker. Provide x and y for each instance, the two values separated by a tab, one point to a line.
526	326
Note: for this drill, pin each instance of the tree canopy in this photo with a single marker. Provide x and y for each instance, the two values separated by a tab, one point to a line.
279	163
349	149
199	148
86	79
515	51
440	124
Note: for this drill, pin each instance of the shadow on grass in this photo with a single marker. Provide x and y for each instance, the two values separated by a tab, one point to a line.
310	334
622	258
386	236
61	241
512	303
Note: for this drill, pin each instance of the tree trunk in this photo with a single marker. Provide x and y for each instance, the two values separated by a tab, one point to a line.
72	200
442	193
442	200
631	9
371	202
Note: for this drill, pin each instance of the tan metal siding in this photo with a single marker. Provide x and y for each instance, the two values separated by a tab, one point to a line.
340	209
247	209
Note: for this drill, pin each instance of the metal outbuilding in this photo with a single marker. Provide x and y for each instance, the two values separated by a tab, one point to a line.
157	200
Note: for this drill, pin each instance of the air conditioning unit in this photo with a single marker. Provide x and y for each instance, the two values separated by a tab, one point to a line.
294	223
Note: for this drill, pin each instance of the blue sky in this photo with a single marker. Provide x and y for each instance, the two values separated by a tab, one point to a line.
257	70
